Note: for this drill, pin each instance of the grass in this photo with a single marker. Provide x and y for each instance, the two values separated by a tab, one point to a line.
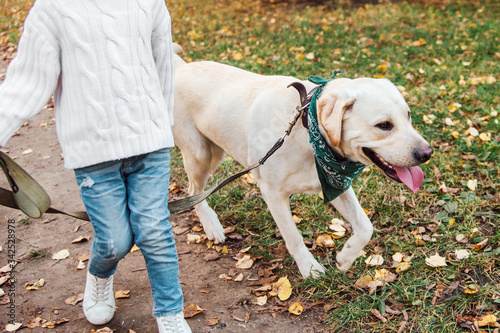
445	60
37	254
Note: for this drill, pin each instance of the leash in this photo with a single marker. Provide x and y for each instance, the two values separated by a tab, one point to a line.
301	112
29	196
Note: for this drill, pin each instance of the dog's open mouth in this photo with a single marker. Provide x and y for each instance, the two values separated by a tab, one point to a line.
410	176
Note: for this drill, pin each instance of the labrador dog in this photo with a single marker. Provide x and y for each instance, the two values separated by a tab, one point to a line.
221	110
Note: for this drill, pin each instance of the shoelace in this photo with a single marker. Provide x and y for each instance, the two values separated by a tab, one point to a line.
172	324
99	293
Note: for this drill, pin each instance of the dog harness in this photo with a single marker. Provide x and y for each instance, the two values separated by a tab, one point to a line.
335	172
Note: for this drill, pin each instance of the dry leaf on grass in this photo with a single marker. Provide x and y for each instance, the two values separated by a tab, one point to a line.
192	310
296	309
436	261
462	254
488	320
325	241
374	260
282	288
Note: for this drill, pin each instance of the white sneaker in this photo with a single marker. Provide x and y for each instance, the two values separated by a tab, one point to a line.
98	299
173	324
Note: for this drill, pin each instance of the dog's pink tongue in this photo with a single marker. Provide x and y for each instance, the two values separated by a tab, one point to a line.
411	177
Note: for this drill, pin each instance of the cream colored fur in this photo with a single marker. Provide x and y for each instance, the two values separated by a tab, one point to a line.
221	109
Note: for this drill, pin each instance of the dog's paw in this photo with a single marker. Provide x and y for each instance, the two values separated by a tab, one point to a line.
311	268
215	233
343	264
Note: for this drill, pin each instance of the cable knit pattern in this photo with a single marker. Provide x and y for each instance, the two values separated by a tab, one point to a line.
110	66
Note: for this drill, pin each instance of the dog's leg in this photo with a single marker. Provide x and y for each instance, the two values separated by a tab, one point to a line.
279	206
348	206
198	169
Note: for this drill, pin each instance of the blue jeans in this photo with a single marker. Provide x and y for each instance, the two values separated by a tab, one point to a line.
127	203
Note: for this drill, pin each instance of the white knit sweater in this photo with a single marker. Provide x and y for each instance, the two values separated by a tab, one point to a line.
109	64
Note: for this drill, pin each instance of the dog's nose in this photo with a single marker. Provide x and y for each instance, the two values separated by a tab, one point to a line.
423	154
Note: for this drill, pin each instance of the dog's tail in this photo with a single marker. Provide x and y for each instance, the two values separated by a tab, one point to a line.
177	54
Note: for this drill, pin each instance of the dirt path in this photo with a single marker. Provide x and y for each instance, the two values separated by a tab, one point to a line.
229	301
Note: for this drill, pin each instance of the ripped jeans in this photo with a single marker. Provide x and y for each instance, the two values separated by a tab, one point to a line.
127	203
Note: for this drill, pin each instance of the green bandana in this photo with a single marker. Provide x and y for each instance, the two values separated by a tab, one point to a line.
335	176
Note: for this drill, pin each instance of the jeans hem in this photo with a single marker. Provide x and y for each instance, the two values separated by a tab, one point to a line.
166	313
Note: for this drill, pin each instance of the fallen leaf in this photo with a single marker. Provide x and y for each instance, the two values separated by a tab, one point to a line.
194	239
296	309
84	257
122	294
36	285
487	320
472	184
81	265
245	263
13	327
471	289
239	278
436	261
80	239
212	256
192	310
402	266
103	330
363	281
384	275
374	260
262	300
377	314
462	254
479	246
372	286
325	241
296	219
63	254
73	300
7	268
212	321
282	288
28	151
134	248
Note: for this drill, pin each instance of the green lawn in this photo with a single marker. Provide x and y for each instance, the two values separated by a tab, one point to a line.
445	61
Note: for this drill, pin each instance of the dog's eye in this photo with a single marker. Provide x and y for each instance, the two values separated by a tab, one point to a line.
385	126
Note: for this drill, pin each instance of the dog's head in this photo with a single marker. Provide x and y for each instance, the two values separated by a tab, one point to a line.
368	121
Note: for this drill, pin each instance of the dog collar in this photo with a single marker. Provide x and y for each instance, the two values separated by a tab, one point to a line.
335	174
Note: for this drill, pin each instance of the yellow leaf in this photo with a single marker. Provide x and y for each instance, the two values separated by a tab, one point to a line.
487	320
363	281
282	289
237	56
296	309
471	289
192	310
455	134
485	136
436	261
403	266
297	219
419	42
384	275
122	294
35	286
325	241
300	56
479	246
134	248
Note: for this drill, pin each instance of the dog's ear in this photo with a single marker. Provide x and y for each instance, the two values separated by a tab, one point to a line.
331	110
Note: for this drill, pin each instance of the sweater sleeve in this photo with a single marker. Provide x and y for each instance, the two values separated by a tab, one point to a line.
30	80
164	56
